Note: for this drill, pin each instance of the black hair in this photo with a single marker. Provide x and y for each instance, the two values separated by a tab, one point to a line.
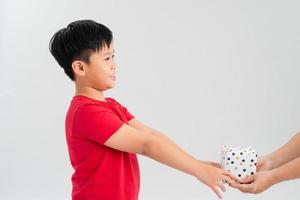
77	42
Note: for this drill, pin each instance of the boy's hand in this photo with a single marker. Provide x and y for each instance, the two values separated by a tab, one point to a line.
255	184
214	177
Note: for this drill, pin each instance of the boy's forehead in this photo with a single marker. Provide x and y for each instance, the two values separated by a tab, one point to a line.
107	51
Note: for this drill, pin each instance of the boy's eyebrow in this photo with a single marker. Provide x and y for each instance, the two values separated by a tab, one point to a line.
108	53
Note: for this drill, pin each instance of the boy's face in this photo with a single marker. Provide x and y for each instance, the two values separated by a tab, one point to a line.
100	72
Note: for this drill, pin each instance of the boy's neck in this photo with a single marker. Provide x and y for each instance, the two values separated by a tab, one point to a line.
90	92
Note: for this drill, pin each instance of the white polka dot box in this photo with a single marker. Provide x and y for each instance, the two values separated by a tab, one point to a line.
240	161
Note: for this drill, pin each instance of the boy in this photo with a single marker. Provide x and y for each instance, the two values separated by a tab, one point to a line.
281	165
103	137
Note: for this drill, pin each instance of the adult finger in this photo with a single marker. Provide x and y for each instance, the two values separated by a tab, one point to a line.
247	188
248	179
259	164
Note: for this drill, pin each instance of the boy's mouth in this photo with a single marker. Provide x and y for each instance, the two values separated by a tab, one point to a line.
113	77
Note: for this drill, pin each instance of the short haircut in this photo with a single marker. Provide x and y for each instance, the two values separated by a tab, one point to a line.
77	42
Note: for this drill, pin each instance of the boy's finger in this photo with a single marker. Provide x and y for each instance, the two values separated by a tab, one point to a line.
227	179
218	165
217	192
226	173
215	164
221	185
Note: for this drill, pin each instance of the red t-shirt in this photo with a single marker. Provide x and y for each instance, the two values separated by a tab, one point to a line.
101	173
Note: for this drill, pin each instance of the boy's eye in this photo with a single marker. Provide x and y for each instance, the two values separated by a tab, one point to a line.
109	57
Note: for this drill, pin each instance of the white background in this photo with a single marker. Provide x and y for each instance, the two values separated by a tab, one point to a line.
206	73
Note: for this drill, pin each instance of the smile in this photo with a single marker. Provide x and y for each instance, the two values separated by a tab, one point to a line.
113	77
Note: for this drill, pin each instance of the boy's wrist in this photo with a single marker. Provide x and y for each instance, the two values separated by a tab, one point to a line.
199	169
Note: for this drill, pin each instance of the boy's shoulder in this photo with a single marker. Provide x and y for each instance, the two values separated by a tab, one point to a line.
85	104
111	99
80	104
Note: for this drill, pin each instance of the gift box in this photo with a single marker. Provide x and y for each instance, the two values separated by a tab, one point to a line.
240	161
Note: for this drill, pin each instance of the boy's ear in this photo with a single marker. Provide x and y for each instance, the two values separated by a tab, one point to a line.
78	68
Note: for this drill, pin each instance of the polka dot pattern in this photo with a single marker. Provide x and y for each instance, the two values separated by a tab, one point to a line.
240	161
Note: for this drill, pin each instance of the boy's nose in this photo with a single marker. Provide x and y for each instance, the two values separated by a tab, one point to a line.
113	66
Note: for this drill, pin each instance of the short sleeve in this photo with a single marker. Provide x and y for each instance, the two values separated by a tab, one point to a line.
96	123
124	110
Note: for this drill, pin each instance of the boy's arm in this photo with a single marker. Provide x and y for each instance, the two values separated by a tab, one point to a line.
132	140
140	126
146	129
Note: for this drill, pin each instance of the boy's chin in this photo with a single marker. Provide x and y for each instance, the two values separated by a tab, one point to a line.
111	86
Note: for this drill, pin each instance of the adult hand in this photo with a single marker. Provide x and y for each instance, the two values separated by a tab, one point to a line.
257	183
264	163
